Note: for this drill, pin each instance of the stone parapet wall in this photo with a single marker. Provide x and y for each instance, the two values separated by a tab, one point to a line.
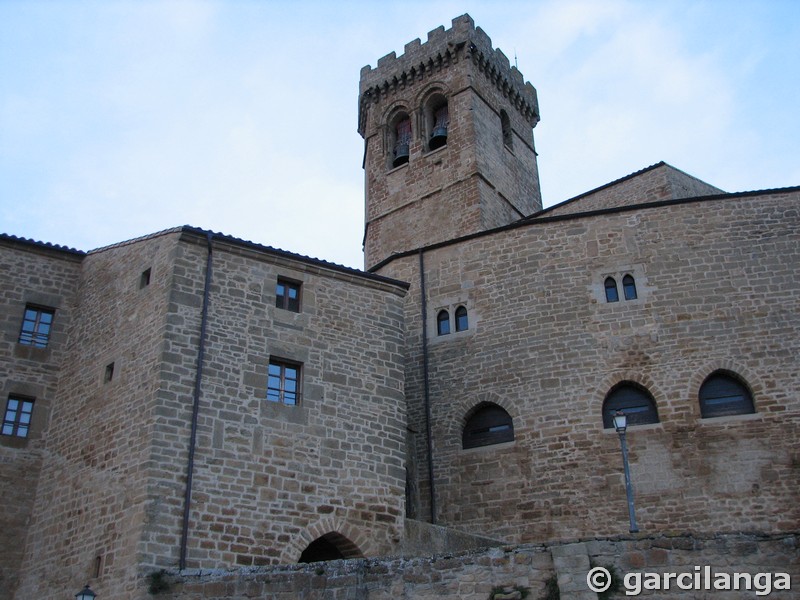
503	572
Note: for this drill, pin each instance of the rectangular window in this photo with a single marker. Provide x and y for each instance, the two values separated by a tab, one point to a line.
17	420
283	382
36	326
287	295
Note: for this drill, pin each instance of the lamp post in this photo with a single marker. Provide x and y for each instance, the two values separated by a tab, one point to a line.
85	594
621	424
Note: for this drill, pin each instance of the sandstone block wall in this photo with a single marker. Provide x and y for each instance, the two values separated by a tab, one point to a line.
271	478
717	290
91	502
653	184
48	277
474	182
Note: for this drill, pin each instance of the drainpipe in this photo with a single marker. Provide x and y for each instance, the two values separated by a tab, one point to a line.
201	351
428	435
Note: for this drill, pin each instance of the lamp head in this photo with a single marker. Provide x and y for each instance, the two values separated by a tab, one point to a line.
620	421
85	594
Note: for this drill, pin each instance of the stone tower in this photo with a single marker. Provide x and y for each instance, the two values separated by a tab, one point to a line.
448	130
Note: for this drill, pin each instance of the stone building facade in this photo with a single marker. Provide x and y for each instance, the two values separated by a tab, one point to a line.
189	401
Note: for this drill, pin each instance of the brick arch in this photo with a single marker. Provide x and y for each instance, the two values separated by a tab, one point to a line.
600	393
462	410
431	88
337	527
741	372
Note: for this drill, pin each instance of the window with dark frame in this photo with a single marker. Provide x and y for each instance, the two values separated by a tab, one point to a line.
283	382
612	294
722	395
462	320
632	399
36	324
443	323
490	424
17	419
287	295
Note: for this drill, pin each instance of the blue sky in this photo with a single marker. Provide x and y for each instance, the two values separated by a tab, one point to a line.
119	119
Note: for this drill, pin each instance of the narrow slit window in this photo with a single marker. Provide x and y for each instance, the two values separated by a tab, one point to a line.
144	280
505	123
108	374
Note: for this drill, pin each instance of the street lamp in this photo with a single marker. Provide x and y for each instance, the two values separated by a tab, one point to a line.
621	424
85	594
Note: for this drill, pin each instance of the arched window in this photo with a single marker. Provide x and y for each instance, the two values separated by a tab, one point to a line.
331	546
629	287
436	119
401	140
632	399
489	424
612	294
508	134
462	321
722	394
443	323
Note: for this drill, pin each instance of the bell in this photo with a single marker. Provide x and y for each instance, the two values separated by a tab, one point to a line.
400	155
438	138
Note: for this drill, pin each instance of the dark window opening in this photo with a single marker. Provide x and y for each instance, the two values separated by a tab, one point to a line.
612	294
36	324
402	142
629	287
109	373
489	424
443	323
462	320
331	546
283	382
144	280
17	419
287	295
632	399
441	121
722	395
508	135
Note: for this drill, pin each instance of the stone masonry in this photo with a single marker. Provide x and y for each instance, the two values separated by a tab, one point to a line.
209	412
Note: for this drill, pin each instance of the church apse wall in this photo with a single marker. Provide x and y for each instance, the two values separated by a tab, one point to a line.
715	295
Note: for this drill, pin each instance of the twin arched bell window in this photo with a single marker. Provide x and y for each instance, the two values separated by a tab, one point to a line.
435	121
628	288
443	320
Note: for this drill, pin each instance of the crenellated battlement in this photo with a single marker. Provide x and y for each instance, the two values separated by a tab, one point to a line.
444	48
